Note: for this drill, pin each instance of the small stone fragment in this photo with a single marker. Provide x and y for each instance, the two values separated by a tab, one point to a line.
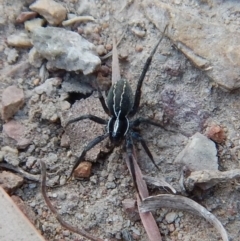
27	210
139	48
48	87
8	149
108	47
65	140
12	159
199	154
35	58
123	54
65	105
49	112
24	16
83	170
12	101
171	227
52	11
12	55
20	40
138	32
10	182
101	50
66	49
170	217
33	24
10	155
16	131
215	133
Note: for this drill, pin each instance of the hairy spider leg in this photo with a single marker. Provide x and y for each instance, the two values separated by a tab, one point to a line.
88	147
142	76
90	117
140	120
102	100
139	138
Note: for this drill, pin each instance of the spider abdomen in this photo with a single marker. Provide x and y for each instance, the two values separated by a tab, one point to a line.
120	99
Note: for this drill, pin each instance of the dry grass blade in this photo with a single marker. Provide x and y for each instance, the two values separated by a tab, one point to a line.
54	211
158	182
183	203
115	64
147	218
19	170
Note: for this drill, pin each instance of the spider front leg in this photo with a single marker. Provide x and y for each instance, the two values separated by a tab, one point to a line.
90	117
103	103
142	76
89	146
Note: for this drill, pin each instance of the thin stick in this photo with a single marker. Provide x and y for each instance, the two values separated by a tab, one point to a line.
54	211
109	54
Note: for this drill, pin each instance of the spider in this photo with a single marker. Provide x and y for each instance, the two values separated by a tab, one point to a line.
120	106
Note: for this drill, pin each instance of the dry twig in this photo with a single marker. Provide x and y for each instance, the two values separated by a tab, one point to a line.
55	213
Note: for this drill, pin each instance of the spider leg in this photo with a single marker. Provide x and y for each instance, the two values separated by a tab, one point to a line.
142	76
129	150
89	146
139	138
103	103
140	120
90	117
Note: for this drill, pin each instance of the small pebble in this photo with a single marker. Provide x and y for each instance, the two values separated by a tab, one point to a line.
139	48
123	54
108	47
33	24
20	40
101	50
216	133
83	170
170	217
23	16
138	32
110	185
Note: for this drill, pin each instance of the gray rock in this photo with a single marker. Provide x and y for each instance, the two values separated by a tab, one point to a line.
65	49
48	87
49	112
78	83
199	154
205	39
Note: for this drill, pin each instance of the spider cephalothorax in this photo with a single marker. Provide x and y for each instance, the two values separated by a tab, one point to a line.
121	105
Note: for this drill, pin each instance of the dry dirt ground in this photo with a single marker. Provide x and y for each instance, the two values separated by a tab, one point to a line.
174	91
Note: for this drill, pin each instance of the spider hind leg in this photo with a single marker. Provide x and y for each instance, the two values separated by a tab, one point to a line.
139	138
88	147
